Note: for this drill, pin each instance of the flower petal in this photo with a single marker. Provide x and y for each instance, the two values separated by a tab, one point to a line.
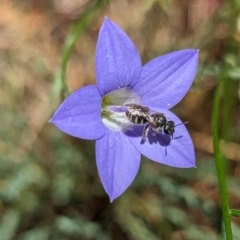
80	114
117	161
176	152
118	63
165	80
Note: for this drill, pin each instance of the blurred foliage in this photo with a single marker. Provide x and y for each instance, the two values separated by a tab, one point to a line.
49	185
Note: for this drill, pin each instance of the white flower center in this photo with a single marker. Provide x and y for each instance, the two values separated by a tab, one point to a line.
114	110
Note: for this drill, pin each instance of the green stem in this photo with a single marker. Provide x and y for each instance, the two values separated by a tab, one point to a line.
77	29
235	212
229	87
220	166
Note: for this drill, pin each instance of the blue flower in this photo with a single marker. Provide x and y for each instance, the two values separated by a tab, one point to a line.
160	84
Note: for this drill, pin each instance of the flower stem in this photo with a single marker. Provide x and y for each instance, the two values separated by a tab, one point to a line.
235	212
77	29
220	166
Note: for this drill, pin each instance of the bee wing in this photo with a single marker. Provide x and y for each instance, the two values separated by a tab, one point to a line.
137	107
154	112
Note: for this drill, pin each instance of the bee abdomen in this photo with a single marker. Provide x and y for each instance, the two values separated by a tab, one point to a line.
136	118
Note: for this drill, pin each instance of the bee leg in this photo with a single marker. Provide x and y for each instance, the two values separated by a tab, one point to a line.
153	131
159	130
145	131
165	151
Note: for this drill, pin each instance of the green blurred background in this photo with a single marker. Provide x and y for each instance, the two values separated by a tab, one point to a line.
49	185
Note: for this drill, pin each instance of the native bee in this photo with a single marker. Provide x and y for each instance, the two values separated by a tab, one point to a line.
155	122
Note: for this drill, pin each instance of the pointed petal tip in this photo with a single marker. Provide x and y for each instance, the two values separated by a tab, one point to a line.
116	72
171	74
113	197
197	51
53	119
106	20
117	162
192	166
192	50
80	114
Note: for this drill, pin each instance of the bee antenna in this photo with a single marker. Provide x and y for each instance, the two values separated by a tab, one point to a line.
182	123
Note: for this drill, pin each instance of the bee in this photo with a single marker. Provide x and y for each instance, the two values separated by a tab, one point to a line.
155	122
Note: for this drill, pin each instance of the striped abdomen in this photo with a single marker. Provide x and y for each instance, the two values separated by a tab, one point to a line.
136	117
